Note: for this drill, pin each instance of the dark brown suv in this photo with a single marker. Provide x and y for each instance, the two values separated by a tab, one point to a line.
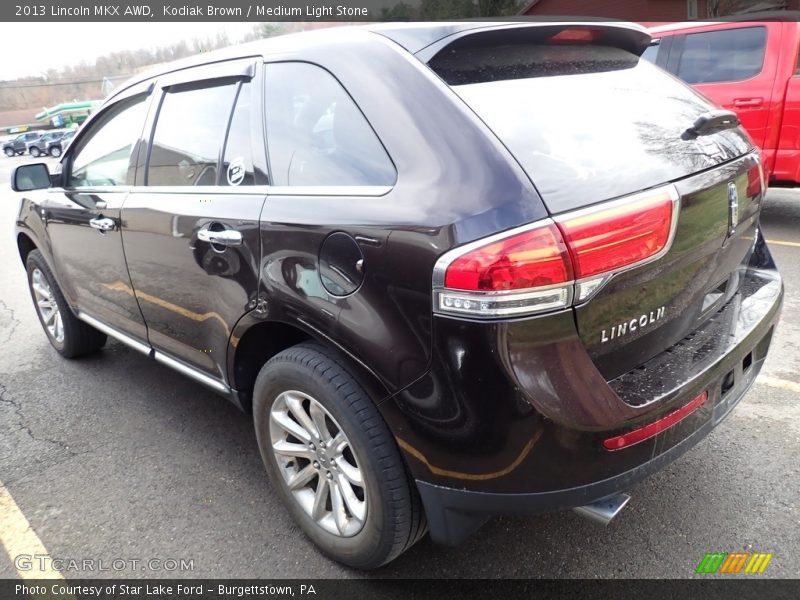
454	270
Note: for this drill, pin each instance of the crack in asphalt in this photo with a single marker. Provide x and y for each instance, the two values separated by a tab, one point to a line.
14	321
17	408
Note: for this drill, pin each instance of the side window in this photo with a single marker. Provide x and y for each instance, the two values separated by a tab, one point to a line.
725	55
189	134
651	52
237	164
316	134
102	156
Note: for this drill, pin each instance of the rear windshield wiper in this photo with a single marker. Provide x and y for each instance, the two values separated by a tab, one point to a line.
711	122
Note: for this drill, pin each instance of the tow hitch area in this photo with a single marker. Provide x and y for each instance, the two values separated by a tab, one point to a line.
603	510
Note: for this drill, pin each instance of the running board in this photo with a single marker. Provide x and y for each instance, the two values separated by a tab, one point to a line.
603	510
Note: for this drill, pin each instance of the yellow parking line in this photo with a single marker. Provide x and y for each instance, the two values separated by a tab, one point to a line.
783	243
782	384
19	539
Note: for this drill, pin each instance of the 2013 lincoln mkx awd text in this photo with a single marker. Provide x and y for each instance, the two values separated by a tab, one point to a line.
454	270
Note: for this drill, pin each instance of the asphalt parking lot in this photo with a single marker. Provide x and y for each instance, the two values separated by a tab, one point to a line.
117	457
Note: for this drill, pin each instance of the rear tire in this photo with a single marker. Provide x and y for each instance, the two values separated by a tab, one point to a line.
387	517
9	152
70	336
55	151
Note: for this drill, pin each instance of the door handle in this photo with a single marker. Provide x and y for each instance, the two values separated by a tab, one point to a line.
102	224
225	237
747	102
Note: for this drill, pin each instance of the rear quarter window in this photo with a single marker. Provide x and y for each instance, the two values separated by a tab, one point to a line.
724	55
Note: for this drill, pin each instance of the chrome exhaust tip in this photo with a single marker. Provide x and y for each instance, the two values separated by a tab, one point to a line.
603	510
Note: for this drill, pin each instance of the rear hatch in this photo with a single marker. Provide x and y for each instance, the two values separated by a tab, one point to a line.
590	123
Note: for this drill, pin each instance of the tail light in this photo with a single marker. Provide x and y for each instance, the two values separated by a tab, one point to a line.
755	180
545	265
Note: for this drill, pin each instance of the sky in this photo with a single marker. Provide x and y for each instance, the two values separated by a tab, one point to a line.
60	44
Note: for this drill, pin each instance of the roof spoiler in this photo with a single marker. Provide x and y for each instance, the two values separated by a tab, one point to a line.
626	36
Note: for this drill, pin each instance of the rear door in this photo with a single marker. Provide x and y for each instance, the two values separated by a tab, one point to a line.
731	66
190	231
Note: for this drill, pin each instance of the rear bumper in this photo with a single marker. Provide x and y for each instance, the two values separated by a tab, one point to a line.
562	466
453	514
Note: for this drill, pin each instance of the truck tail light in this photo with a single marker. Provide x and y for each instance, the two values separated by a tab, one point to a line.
545	265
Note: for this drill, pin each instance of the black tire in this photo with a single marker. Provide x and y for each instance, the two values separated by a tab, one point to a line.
35	152
395	520
79	338
55	151
9	152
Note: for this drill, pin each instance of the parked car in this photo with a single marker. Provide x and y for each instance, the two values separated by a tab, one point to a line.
55	147
748	66
437	311
18	144
39	146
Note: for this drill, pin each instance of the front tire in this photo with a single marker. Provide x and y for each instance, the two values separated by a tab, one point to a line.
333	460
35	153
55	151
70	336
9	152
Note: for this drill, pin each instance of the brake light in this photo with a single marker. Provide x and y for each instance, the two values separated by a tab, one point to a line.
573	35
645	433
545	265
534	258
621	235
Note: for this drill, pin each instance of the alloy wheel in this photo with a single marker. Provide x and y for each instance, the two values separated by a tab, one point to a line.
47	306
318	464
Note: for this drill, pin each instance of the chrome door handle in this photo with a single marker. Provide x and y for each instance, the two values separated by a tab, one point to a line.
226	237
102	224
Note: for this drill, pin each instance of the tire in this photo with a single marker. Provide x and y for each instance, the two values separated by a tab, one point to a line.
9	152
35	152
55	151
73	338
393	519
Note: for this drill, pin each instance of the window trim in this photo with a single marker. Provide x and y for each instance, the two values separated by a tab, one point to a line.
682	48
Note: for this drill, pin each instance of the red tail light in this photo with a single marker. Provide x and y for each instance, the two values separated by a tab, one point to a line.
534	258
755	183
621	235
543	266
645	433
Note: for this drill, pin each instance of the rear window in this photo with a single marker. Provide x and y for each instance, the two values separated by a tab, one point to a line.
724	55
587	123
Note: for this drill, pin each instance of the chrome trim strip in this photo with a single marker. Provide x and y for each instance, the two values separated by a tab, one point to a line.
206	380
266	190
122	337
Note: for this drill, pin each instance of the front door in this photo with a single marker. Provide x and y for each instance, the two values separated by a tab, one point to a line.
83	216
190	225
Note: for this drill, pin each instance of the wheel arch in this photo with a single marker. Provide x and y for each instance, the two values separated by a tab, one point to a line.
255	341
25	245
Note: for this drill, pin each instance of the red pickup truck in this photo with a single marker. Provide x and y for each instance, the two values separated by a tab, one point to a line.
750	67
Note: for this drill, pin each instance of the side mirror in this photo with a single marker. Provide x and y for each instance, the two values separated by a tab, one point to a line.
25	178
